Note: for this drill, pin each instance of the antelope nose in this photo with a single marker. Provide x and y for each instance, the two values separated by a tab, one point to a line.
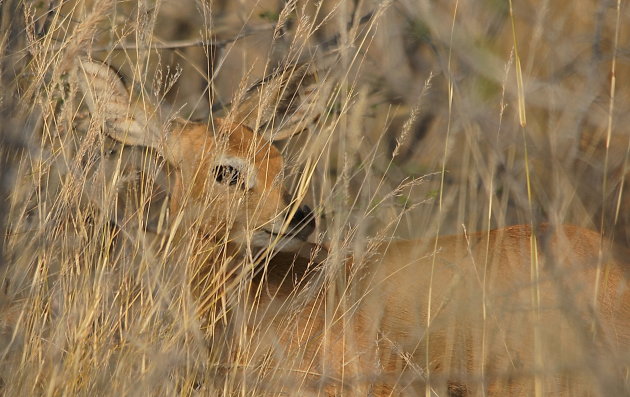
303	222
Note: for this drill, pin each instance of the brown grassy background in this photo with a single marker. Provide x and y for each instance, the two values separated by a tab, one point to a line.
426	130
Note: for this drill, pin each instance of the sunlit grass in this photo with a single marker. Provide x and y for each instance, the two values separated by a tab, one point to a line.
415	126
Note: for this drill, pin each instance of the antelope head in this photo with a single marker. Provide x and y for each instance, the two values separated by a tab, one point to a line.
229	182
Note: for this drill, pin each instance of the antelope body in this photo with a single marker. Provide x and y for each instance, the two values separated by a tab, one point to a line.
514	311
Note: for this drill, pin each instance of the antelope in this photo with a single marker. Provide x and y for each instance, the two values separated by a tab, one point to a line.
524	310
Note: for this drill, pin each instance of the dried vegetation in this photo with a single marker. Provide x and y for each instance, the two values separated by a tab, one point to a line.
430	118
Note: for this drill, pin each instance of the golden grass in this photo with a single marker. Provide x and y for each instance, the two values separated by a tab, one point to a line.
423	132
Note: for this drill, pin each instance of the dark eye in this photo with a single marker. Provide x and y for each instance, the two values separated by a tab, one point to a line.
227	174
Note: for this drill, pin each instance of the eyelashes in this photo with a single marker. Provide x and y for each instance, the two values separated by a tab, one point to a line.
233	171
228	175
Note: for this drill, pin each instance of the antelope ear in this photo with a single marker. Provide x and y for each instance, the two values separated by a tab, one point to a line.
132	123
282	104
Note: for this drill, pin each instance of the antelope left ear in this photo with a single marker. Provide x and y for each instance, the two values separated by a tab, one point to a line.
284	103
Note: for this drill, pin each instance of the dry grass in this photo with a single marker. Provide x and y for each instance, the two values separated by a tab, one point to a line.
438	117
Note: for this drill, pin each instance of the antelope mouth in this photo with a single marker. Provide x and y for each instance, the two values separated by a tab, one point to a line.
298	234
300	227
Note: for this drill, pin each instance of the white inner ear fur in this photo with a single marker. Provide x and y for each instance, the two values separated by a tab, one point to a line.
244	167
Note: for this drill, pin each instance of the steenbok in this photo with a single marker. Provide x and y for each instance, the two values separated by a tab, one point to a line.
516	311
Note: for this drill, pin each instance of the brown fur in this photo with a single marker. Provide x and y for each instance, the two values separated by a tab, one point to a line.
466	314
565	342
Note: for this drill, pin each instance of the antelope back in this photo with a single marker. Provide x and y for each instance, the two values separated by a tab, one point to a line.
481	313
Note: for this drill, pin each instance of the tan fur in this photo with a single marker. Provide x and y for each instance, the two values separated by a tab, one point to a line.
464	315
487	332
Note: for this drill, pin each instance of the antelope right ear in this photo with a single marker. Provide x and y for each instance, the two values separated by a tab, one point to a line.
127	121
284	103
